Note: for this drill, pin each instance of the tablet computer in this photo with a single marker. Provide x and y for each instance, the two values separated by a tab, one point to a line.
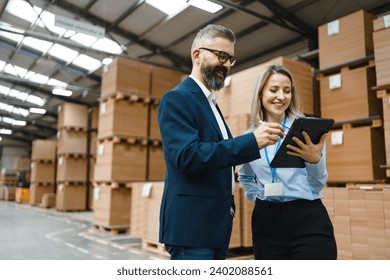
315	127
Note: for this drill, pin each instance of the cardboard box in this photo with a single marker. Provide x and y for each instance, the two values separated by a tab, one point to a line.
386	127
145	210
71	197
37	191
123	117
118	161
43	172
126	75
345	39
71	141
163	80
156	163
7	193
111	206
48	200
72	115
44	149
154	129
71	169
22	163
353	98
236	98
358	157
381	37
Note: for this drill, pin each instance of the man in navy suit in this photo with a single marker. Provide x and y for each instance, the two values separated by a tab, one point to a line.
197	207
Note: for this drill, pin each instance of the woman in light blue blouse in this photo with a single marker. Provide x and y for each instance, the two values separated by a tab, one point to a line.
289	220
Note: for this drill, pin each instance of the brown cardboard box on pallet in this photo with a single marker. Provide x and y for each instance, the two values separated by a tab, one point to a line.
43	149
123	117
156	163
120	161
43	172
243	83
22	163
163	80
111	206
381	37
37	191
348	95
48	200
358	155
376	224
386	126
70	168
342	223
126	75
346	39
72	115
154	129
71	141
71	197
386	207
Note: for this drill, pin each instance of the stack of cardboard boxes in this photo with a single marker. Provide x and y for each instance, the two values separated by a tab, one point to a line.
43	169
128	140
381	38
346	81
8	186
355	146
71	176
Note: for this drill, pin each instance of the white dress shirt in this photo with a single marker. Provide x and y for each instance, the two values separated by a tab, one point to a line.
213	102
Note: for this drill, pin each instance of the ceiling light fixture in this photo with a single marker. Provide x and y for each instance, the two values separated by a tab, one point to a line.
38	111
5	131
206	5
62	92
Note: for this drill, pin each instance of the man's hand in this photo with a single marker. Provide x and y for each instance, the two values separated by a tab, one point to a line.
268	134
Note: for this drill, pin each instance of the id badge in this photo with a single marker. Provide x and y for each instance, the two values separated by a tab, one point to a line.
273	189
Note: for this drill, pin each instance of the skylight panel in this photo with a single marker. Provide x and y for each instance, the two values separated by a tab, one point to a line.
206	5
83	39
63	53
41	45
39	78
168	7
23	10
22	96
20	111
33	99
15	70
4	90
57	83
87	62
12	36
107	45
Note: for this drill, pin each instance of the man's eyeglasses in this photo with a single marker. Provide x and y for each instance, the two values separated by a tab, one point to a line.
222	56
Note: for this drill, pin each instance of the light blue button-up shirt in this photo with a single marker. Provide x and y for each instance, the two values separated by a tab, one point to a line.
298	183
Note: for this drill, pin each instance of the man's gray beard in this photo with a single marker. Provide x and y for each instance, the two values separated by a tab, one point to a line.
211	79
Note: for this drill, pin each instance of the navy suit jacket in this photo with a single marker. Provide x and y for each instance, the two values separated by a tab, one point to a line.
195	207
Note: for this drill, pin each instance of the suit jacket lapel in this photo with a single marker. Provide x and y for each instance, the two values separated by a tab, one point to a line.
205	104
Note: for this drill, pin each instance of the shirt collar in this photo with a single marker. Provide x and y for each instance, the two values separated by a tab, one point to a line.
209	95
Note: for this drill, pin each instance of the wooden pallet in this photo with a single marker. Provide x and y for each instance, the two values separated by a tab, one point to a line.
154	247
114	230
